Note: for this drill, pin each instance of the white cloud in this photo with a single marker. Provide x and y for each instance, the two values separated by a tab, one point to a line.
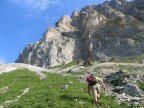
2	60
32	8
37	5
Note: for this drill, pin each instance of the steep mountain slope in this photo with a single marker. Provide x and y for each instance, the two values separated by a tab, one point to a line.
24	87
114	29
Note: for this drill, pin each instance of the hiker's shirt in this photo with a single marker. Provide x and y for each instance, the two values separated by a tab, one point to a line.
97	81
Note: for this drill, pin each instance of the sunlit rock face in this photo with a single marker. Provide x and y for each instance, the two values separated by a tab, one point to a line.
100	32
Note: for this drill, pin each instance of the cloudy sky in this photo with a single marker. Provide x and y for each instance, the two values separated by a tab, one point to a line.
24	21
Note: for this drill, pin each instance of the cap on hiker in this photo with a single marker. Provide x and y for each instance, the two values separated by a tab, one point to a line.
91	74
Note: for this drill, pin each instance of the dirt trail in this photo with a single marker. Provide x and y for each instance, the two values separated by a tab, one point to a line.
4	68
116	64
110	67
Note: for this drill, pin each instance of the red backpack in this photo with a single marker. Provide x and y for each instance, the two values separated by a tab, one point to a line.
92	80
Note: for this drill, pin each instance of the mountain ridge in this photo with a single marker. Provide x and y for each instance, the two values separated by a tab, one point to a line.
114	29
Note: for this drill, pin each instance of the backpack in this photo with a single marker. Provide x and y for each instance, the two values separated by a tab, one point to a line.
92	80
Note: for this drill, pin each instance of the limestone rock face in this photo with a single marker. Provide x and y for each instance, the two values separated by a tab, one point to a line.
54	49
99	32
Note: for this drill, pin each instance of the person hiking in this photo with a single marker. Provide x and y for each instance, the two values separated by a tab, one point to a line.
94	87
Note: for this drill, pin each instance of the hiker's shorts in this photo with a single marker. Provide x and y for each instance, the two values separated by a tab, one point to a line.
95	89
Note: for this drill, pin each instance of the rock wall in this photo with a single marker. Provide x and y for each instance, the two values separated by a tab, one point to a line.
99	32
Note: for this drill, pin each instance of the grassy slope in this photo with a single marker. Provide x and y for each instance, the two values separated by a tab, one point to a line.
48	93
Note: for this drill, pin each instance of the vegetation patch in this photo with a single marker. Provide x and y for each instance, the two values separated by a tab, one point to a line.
49	92
141	85
129	68
128	60
77	73
116	82
65	65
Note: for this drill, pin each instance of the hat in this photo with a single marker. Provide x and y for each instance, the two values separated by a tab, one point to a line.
91	74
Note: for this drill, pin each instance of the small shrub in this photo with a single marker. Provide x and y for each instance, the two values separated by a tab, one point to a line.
116	82
141	85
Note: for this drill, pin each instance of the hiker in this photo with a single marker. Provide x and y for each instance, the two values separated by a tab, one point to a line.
94	86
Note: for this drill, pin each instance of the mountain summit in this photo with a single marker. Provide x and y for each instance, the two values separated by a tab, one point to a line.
113	29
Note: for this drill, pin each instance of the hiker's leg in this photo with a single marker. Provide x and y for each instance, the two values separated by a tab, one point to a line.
98	90
96	99
98	95
95	96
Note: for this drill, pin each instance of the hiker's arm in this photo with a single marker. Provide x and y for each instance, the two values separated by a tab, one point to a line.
103	85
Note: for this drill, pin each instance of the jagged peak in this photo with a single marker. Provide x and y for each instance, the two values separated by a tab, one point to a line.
63	20
109	23
75	15
50	33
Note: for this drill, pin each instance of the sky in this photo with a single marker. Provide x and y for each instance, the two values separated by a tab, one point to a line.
24	21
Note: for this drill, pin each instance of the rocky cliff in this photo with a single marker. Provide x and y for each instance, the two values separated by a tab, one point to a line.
100	32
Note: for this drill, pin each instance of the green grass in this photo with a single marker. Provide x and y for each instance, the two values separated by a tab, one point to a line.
65	65
141	85
49	92
77	73
115	82
130	69
128	60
